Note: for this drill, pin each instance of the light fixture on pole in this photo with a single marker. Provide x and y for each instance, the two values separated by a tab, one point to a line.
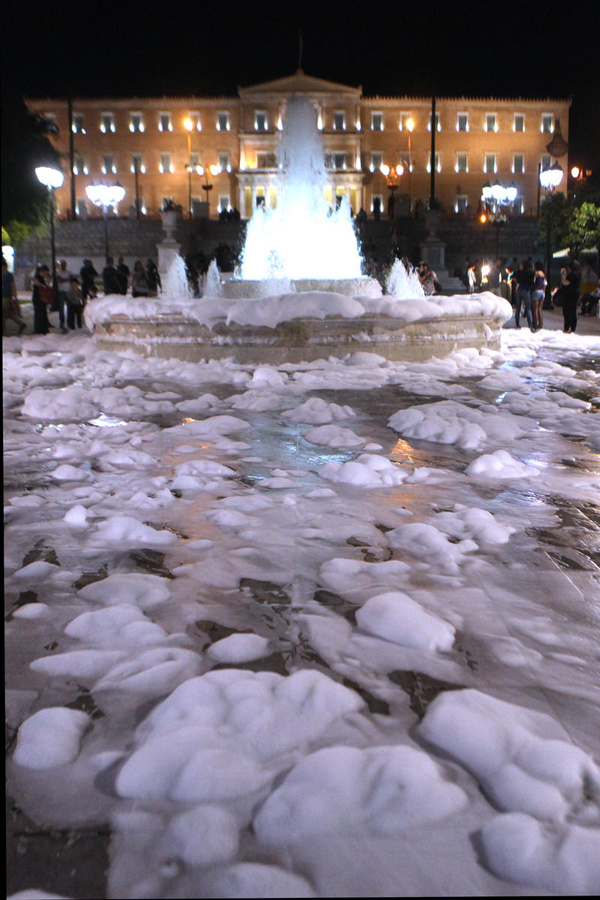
550	179
392	177
52	178
410	124
189	127
105	195
205	170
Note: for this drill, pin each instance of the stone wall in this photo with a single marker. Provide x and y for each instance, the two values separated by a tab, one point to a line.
83	238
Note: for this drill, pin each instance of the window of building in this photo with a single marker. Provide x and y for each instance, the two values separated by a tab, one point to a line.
339	120
376	161
547	123
109	166
164	122
196	120
462	122
438	127
50	123
224	204
81	207
438	164
137	164
405	162
339	161
79	166
266	161
260	121
136	122
545	161
194	160
107	123
224	162
491	122
223	121
489	163
518	164
166	163
78	124
377	121
460	203
377	203
519	122
462	162
404	119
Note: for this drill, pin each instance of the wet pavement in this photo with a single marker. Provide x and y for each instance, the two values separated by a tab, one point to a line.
73	861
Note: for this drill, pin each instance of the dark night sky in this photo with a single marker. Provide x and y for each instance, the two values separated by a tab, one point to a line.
521	49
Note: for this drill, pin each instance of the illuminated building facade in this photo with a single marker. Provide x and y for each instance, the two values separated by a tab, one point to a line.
164	148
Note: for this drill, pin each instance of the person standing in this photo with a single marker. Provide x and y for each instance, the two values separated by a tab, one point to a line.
110	278
11	311
494	278
87	273
153	278
570	279
41	294
537	296
74	304
63	280
524	278
123	275
139	281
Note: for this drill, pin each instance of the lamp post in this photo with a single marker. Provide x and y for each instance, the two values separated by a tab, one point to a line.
51	178
410	124
189	126
105	195
550	179
205	170
392	176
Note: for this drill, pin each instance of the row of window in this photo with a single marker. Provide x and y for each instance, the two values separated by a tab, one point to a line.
164	122
337	161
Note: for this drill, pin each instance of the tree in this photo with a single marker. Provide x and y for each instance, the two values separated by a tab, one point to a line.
555	214
584	228
25	145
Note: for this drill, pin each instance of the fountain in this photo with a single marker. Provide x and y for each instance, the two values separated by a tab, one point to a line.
301	239
403	284
175	284
299	295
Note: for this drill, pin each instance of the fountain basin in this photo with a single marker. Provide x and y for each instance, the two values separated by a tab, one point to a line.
243	289
177	330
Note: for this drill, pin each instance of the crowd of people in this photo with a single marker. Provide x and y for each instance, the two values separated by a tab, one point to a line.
524	284
71	291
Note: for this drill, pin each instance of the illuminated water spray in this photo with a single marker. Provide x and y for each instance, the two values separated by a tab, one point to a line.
302	237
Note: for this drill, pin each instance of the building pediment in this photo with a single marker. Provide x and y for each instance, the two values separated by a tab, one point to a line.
298	83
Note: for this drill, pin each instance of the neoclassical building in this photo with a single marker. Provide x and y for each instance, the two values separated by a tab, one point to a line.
223	149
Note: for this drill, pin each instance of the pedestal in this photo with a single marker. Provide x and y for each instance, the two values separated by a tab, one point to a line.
433	251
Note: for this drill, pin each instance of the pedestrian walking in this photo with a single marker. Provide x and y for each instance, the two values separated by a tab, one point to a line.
524	278
538	293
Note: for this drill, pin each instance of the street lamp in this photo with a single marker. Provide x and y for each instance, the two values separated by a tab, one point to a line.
410	124
204	170
189	126
51	178
105	195
550	179
392	176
